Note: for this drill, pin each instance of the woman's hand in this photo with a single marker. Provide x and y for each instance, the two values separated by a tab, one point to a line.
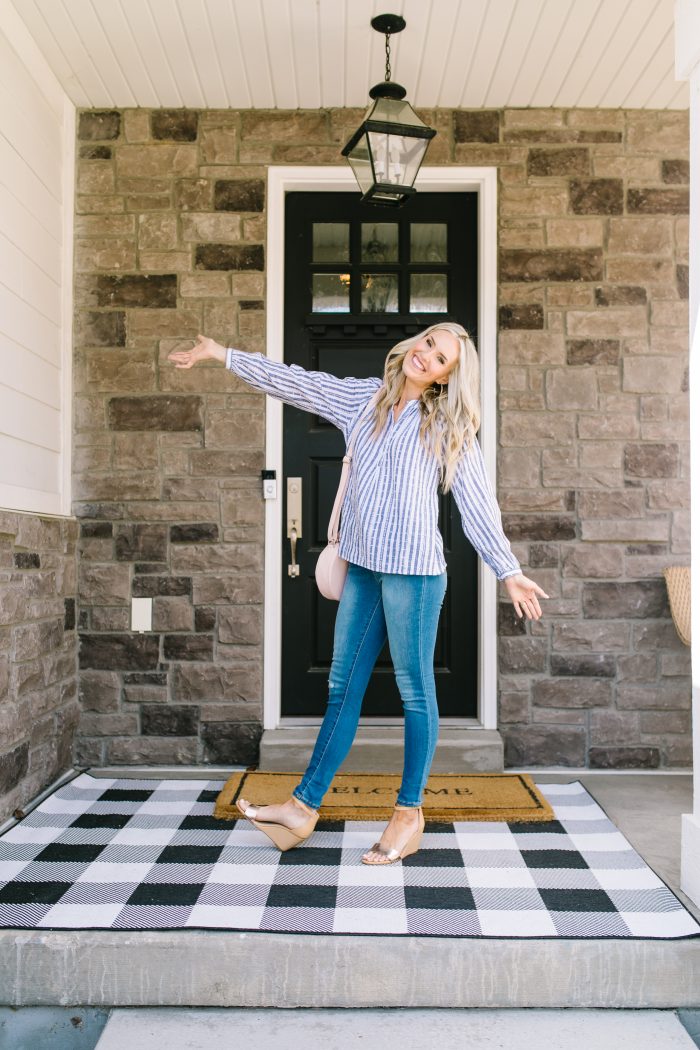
523	594
204	350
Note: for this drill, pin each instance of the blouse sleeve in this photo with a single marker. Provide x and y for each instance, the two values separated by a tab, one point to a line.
337	400
481	515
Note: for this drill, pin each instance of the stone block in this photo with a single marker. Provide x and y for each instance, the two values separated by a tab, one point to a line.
234	743
643	599
639	667
517	201
188	647
169	720
108	371
640	236
157	231
567	390
114	652
152	751
205	285
521	233
519	347
647	460
14	765
163	412
522	655
653	375
642	530
215	557
196	532
180	125
199	226
242	625
623	503
140	290
297	126
95	153
204	618
682	281
636	269
476	125
100	328
596	196
536	428
151	586
111	724
544	746
103	584
675	170
574	233
99	125
625	166
572	692
97	203
219	145
239	195
99	690
624	757
602	324
154	160
95	177
229	257
523	315
546	162
581	665
224	464
193	195
141	542
620	295
172	614
658	131
598	561
551	264
211	682
95	255
609	637
658	202
592	352
540	527
136	450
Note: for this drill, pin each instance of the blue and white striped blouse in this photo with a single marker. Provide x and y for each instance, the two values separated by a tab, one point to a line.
389	517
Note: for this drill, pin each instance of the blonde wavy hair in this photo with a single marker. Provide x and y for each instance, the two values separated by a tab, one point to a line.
451	412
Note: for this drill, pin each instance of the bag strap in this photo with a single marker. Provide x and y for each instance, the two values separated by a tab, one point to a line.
333	524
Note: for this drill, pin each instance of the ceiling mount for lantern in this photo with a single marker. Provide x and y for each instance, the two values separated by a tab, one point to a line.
387	149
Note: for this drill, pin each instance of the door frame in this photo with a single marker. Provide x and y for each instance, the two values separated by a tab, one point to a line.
280	181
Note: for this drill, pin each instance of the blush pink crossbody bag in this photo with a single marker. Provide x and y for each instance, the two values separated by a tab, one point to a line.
331	569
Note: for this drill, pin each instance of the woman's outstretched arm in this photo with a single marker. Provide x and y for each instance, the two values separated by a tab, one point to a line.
336	399
481	521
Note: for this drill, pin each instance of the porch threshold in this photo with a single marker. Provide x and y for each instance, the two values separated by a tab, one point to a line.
380	749
230	968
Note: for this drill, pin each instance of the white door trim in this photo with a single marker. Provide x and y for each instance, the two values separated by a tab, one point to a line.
280	181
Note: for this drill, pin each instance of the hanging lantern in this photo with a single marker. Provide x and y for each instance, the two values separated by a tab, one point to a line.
387	149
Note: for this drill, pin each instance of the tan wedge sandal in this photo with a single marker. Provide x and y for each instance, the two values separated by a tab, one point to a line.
283	837
412	846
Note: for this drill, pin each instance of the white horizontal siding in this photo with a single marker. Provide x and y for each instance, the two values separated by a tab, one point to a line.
322	53
36	177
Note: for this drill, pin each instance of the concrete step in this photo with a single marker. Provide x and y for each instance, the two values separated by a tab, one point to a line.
408	1029
381	748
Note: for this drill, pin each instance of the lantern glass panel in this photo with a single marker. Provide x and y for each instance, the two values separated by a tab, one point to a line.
361	164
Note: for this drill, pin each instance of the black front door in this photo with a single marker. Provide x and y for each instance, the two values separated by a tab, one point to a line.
358	279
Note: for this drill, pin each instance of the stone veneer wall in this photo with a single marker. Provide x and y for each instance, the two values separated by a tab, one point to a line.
593	450
39	707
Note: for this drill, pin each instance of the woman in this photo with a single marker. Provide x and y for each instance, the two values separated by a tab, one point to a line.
421	432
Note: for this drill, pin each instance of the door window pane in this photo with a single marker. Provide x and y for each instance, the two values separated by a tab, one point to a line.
428	293
429	242
330	292
331	242
380	242
380	293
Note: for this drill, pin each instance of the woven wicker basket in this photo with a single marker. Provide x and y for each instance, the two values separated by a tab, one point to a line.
678	585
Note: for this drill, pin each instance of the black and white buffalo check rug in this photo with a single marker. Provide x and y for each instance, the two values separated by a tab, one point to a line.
127	854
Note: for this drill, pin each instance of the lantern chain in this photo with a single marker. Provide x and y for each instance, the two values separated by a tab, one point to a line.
387	73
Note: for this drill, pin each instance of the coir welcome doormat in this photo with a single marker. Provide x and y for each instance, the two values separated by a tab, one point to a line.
371	796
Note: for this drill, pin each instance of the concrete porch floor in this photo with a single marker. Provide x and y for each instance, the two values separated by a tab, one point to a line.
215	968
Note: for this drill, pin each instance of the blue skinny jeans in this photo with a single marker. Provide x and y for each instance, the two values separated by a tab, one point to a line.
373	606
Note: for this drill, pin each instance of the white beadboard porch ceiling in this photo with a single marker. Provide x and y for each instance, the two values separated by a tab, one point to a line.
313	54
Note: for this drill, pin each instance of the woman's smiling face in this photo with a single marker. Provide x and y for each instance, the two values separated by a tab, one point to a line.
430	361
